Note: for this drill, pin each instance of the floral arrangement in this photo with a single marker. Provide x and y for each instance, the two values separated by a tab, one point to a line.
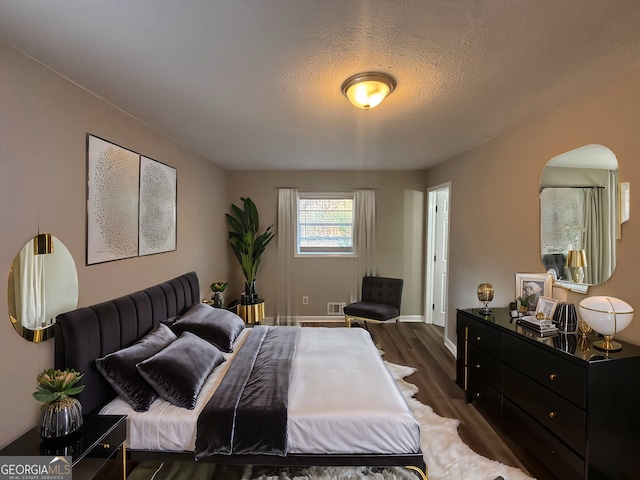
218	286
57	384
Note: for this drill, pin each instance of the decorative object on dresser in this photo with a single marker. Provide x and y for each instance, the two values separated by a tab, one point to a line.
530	287
566	318
247	245
546	308
61	415
485	295
608	316
572	410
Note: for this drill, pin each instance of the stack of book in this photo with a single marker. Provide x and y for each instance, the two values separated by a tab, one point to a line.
543	327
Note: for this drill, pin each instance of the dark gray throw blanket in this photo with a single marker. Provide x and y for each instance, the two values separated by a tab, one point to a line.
248	412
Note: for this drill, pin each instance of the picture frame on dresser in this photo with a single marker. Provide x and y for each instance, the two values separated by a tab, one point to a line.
539	284
547	306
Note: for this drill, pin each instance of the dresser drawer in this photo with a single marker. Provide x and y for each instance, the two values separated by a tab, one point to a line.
485	366
111	442
555	413
562	376
486	338
566	464
486	399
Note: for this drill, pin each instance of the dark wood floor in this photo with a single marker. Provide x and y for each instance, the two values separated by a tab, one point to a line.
422	346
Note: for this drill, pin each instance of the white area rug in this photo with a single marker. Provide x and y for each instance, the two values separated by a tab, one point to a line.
447	457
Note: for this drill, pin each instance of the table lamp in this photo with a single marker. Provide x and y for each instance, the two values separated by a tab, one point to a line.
608	316
576	261
485	295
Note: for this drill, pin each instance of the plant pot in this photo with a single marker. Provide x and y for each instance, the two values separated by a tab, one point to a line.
60	418
249	296
218	299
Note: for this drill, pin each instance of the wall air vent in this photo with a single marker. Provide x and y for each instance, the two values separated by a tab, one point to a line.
335	308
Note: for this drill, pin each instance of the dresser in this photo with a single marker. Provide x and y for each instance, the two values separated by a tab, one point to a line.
571	406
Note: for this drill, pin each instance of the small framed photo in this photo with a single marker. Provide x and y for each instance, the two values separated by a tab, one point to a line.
536	284
547	306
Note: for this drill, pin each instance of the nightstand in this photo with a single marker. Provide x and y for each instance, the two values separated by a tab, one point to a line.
97	441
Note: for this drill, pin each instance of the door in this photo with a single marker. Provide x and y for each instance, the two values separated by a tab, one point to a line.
437	255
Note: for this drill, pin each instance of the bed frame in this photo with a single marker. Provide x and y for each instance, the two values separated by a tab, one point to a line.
88	333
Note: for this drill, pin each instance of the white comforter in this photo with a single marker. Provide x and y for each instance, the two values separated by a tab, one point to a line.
342	399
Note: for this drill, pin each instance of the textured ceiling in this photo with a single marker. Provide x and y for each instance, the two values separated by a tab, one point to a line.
256	84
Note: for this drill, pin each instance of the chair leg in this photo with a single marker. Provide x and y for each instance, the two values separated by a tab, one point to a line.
347	321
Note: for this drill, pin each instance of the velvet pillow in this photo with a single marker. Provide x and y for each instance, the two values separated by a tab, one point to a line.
179	371
215	325
119	368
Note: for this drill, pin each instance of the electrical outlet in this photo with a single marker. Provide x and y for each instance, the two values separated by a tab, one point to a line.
305	299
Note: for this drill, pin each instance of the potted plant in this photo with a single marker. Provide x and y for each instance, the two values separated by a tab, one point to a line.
524	301
247	245
218	298
61	414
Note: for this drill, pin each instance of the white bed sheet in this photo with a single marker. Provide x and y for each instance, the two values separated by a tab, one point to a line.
342	399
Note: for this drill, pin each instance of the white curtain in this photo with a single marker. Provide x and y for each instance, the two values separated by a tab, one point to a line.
287	211
601	223
30	289
364	238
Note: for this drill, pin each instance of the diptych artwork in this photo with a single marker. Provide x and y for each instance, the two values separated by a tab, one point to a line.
157	207
131	203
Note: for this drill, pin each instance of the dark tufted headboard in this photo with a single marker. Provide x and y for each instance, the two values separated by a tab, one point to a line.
88	333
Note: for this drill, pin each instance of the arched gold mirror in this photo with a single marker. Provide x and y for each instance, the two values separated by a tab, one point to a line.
579	217
43	282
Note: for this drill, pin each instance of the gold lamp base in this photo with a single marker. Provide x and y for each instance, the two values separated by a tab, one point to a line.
607	345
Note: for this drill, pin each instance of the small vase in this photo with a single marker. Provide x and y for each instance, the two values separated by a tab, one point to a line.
218	299
60	418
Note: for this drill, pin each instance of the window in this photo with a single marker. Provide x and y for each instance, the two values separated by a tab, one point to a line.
325	224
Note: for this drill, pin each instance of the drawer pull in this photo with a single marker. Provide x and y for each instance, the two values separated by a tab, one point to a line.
478	395
478	338
105	445
553	376
552	414
478	366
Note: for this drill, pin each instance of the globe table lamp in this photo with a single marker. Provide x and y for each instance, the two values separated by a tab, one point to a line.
485	295
608	316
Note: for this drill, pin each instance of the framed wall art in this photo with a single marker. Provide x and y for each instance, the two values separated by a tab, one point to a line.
113	178
157	225
536	284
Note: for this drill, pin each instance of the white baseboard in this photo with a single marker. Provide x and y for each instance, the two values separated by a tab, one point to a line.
451	346
296	320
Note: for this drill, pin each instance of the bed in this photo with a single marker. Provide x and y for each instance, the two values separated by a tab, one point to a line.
359	418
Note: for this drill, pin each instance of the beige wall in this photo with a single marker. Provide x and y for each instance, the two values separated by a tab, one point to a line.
399	236
43	124
494	197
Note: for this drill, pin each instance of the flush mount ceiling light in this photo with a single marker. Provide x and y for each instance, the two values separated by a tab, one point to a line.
366	90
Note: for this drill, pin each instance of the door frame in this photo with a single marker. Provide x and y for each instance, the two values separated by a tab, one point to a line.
430	236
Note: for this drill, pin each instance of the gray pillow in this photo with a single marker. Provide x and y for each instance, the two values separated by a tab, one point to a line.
215	325
119	368
179	371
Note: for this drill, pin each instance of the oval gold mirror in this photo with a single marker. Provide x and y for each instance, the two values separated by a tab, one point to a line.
43	282
579	217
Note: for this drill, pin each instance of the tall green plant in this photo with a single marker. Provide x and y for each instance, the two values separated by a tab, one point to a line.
247	245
